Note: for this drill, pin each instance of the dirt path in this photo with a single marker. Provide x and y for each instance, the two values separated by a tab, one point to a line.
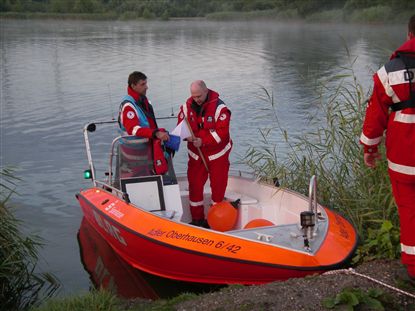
307	293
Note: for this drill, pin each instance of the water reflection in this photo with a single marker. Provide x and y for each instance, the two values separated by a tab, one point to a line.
109	271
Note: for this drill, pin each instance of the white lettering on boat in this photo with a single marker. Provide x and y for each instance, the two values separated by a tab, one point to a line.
109	228
112	209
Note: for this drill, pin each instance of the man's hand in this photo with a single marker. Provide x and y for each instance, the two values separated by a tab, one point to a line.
163	136
371	158
197	142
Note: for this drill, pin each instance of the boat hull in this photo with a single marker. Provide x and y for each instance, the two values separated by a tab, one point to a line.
178	251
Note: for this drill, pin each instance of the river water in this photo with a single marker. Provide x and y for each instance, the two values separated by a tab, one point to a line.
58	75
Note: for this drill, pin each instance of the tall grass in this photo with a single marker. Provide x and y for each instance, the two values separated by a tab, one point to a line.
102	300
20	286
332	152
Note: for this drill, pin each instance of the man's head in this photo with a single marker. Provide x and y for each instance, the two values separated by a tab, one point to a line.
411	28
138	82
199	91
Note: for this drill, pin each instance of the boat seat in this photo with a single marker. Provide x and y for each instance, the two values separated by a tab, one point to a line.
245	199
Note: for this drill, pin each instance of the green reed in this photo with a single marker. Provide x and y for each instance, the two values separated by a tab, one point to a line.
20	285
331	151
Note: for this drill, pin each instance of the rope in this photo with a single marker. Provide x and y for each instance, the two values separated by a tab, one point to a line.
352	271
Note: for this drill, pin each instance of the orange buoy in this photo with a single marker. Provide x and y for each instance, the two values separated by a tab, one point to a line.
222	216
259	222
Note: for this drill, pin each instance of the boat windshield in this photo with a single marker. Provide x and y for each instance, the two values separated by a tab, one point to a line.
135	159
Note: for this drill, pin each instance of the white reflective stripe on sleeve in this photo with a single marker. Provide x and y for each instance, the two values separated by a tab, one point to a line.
398	77
410	250
191	203
218	111
185	110
404	117
370	141
193	155
384	79
403	169
135	129
215	136
220	153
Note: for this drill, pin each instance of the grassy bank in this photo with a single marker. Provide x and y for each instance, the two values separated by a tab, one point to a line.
375	14
101	300
60	16
20	284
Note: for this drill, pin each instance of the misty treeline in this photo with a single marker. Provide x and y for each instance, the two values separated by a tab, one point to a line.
194	8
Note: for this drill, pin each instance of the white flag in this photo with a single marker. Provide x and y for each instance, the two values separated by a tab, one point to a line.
181	130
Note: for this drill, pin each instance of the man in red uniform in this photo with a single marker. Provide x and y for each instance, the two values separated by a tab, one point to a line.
392	108
209	149
136	117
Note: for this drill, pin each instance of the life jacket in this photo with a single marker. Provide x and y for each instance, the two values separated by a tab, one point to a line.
160	164
408	62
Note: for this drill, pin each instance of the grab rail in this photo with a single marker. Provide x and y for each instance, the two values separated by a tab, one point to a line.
91	127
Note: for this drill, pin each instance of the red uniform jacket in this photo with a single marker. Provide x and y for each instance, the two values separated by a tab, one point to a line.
210	122
391	85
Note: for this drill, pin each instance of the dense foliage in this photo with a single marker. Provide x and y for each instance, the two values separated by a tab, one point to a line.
195	8
20	286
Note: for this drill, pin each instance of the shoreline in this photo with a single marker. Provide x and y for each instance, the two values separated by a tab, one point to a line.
325	17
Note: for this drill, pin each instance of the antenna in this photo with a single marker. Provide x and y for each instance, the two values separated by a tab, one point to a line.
110	99
171	87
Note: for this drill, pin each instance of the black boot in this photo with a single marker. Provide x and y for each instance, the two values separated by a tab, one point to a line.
200	223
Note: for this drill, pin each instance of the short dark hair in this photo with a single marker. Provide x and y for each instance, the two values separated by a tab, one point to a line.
136	76
411	25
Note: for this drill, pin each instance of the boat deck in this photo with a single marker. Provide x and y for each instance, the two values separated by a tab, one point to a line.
285	236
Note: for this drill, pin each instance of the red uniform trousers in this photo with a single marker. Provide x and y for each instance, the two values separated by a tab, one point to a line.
197	176
404	194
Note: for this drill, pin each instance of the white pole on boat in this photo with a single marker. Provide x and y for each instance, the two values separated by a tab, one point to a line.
89	127
312	194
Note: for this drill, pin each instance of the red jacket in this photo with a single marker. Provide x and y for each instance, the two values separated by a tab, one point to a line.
211	124
390	86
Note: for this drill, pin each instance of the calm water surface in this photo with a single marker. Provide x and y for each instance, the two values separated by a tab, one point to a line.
58	75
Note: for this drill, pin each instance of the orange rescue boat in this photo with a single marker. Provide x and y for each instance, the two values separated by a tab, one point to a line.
279	234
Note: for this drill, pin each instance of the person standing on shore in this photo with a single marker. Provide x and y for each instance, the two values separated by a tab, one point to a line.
392	108
208	148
